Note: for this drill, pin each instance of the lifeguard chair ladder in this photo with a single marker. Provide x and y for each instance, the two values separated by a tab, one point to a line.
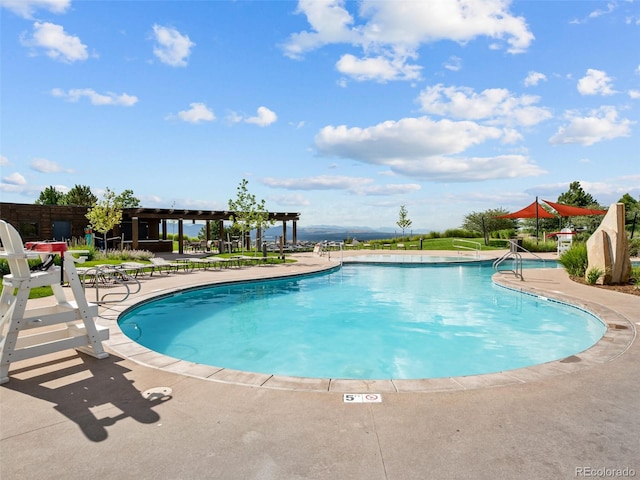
80	333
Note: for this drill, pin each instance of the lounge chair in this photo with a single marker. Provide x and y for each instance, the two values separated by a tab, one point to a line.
162	265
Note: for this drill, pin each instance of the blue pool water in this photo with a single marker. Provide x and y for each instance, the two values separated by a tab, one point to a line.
365	322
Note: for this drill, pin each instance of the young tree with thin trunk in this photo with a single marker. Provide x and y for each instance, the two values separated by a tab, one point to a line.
403	219
248	213
105	214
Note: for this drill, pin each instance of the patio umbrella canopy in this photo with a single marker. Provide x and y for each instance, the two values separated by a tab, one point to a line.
531	211
571	211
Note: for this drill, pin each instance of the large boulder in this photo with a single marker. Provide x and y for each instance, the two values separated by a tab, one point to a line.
608	248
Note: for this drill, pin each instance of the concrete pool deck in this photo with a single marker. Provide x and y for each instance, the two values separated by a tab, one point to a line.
70	416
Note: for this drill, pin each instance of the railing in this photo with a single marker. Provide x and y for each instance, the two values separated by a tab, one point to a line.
461	244
516	266
514	254
109	277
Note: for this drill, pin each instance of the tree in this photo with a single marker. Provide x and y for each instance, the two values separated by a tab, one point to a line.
487	221
577	197
247	212
50	196
127	200
105	214
403	219
80	195
631	207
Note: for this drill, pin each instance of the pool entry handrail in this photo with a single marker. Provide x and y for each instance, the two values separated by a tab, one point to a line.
461	244
514	254
516	266
110	276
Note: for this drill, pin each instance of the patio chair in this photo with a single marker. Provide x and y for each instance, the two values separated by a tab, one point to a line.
162	265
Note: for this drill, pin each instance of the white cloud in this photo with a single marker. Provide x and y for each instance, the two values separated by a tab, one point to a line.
110	98
26	8
355	185
379	68
264	117
495	105
14	179
4	161
634	94
320	182
453	63
43	165
424	148
598	125
198	112
172	47
533	78
57	44
293	200
595	82
389	36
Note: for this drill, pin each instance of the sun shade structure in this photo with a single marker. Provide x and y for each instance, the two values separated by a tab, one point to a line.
571	211
534	210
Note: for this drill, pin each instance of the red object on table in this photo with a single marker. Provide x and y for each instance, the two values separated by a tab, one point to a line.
47	247
51	248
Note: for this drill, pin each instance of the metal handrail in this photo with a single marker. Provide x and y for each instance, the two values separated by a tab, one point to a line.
477	247
514	255
516	268
101	275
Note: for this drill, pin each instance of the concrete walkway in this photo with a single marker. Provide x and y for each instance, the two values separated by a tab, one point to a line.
73	417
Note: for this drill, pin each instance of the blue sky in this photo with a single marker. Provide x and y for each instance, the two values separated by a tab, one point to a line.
342	111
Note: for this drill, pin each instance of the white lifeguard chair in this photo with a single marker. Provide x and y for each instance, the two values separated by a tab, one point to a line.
80	331
565	239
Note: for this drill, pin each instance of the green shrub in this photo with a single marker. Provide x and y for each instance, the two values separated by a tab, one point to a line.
460	233
90	248
575	260
124	255
634	247
593	274
504	234
537	246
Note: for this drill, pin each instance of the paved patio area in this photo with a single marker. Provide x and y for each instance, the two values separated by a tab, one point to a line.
139	415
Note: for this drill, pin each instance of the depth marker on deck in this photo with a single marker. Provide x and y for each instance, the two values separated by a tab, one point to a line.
362	398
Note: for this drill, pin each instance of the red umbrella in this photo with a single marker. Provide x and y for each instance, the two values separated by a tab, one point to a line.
530	211
571	211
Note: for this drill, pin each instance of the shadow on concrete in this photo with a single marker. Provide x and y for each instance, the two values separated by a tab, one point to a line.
87	391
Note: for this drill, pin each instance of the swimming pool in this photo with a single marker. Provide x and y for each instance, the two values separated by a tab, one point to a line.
365	322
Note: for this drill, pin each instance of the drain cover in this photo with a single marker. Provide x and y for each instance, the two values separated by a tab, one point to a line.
157	393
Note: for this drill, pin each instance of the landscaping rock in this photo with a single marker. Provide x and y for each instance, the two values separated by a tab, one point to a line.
608	248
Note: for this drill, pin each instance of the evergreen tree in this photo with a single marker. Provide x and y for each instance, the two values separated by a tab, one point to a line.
577	197
50	196
127	200
80	195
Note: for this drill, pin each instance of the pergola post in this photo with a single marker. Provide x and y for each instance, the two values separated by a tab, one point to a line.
284	231
134	233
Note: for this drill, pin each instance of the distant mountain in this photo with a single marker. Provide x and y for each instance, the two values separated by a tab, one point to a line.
311	233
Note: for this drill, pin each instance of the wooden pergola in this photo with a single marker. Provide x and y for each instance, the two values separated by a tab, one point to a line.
158	217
